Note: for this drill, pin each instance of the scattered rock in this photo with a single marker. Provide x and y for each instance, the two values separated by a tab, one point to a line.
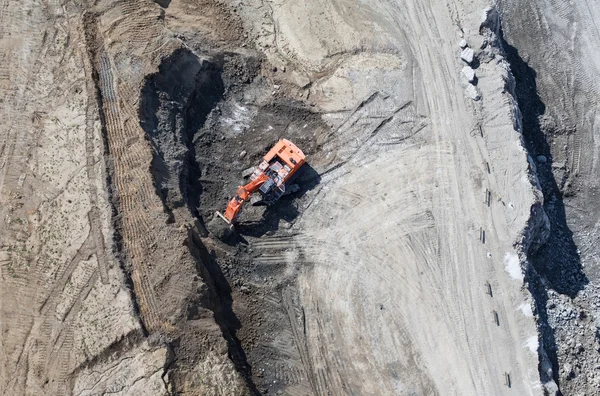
473	92
247	172
463	43
467	55
469	73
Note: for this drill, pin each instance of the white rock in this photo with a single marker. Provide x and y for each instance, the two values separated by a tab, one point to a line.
473	92
463	43
247	172
467	55
469	73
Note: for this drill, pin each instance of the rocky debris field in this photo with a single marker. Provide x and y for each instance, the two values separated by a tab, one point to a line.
441	240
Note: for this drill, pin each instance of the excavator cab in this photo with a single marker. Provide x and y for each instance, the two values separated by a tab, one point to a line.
269	178
279	164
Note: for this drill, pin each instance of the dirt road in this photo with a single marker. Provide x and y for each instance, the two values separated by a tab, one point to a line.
395	297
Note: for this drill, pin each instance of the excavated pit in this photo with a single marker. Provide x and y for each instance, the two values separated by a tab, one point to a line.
208	121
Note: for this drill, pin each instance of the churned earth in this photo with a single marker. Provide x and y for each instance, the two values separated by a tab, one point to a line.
412	261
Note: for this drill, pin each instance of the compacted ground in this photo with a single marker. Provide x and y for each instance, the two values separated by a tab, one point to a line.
408	263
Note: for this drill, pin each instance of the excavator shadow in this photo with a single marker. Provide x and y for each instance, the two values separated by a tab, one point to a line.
285	211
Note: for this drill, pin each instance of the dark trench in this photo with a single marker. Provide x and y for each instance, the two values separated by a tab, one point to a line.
556	265
175	104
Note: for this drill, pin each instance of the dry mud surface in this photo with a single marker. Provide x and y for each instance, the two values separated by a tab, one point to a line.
410	262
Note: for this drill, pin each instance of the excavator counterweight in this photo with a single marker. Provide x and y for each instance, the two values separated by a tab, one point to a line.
269	178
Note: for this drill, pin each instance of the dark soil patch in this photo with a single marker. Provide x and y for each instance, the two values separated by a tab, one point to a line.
206	126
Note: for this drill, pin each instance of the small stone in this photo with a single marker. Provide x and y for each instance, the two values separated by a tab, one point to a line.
467	55
469	73
542	159
275	69
463	43
473	92
247	172
242	154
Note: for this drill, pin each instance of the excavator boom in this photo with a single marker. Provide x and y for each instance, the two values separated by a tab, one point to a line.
242	195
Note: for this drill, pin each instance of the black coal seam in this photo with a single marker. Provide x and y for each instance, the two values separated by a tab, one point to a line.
91	38
556	265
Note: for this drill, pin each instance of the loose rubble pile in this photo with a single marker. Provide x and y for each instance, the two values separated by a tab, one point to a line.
468	56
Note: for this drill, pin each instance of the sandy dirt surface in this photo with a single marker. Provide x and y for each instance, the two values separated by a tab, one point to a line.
64	299
72	159
397	269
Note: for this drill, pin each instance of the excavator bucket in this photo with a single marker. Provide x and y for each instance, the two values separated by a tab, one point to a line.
220	227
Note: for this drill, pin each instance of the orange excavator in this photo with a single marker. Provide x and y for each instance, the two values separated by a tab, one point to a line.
269	179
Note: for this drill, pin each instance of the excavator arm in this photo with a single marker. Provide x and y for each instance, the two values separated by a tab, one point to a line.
242	194
276	169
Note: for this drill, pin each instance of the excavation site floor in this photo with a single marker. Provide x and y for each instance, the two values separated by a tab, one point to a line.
427	251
